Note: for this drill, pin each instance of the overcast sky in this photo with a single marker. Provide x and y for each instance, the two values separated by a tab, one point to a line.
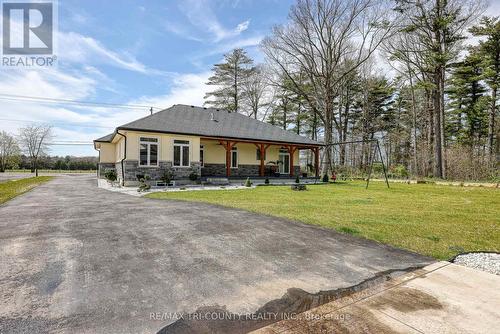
155	53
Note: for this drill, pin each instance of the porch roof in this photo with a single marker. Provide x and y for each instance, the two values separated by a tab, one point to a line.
213	123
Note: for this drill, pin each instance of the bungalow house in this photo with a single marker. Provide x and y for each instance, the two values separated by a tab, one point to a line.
205	141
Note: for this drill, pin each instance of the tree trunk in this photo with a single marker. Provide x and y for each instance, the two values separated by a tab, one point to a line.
430	133
414	125
442	121
491	123
236	87
436	98
328	137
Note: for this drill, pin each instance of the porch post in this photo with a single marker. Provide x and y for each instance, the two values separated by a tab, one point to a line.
291	150
228	145
316	161
262	148
228	159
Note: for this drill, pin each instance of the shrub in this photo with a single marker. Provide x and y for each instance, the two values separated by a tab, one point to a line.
110	175
325	178
378	168
297	180
193	176
248	183
144	184
167	176
266	181
400	171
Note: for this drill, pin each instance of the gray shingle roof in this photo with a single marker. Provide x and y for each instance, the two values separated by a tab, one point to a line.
106	138
189	120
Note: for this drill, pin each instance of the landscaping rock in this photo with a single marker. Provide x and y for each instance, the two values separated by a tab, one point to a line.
298	187
489	262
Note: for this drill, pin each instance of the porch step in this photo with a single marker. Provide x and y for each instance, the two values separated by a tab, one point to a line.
217	180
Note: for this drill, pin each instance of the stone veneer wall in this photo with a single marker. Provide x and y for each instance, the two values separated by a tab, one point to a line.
102	168
132	169
220	170
242	170
118	167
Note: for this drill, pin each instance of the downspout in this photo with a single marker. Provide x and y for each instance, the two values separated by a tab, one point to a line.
98	162
124	156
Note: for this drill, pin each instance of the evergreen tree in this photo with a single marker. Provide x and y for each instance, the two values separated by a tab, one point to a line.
229	78
489	51
466	117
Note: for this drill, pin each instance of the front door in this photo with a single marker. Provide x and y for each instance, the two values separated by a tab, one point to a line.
284	162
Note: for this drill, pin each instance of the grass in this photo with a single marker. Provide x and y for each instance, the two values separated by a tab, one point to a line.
52	171
434	220
13	188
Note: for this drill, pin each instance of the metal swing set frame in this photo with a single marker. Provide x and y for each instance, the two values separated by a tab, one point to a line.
370	157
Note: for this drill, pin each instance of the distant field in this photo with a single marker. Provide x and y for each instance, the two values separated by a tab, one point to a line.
50	171
12	188
435	220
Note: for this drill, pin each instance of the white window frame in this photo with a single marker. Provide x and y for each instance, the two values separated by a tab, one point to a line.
149	143
181	145
202	161
235	150
257	153
284	152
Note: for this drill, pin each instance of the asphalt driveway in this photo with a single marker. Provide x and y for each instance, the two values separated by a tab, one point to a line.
75	259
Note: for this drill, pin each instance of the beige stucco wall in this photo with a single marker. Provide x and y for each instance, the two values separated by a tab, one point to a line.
166	143
247	153
107	152
214	152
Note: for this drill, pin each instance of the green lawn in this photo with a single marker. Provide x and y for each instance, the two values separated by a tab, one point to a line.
66	171
439	221
13	188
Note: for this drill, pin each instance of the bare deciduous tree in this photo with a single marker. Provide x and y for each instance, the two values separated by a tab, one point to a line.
327	40
258	93
34	140
8	150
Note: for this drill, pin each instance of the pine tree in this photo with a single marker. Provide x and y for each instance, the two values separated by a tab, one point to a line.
438	27
489	50
229	78
467	117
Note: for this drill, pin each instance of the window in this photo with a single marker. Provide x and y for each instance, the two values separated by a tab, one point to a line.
284	161
181	153
148	151
234	157
258	154
202	155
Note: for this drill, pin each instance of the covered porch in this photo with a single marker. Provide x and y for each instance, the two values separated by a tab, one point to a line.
231	158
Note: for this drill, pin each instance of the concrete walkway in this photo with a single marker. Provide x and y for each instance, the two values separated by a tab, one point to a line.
78	259
440	298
